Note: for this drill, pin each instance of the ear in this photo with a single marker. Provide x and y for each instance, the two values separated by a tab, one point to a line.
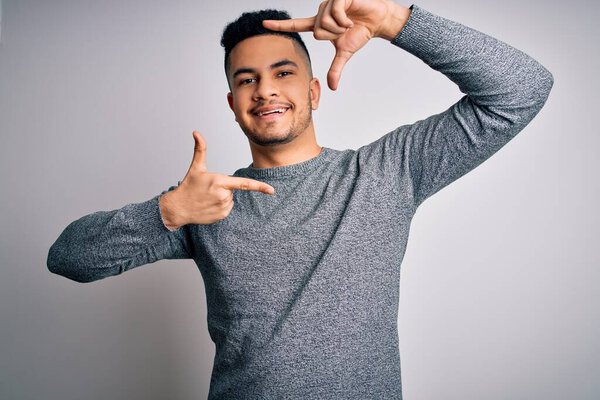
315	93
230	100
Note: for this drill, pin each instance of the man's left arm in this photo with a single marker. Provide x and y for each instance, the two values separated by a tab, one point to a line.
505	88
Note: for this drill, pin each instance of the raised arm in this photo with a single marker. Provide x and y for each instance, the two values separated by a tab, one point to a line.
505	89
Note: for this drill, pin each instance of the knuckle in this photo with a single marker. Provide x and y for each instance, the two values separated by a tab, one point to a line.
225	213
211	187
337	13
332	26
224	199
244	186
213	182
328	23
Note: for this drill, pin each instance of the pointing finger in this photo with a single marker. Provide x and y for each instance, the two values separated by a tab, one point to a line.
290	25
237	183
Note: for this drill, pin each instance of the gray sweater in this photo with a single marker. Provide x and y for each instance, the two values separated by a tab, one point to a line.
302	287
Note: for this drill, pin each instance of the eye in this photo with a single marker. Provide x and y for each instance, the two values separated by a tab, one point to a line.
246	81
285	73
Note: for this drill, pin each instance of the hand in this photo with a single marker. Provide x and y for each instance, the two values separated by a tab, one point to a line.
349	25
204	197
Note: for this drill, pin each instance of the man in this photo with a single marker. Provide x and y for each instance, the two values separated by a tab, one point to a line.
300	252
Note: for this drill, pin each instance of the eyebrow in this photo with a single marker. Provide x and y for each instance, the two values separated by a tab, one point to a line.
278	64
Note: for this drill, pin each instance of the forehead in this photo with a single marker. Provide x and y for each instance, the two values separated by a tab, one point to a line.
261	51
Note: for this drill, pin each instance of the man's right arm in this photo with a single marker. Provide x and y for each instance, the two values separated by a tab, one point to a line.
108	243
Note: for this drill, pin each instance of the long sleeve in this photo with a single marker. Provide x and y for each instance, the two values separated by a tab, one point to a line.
107	243
505	89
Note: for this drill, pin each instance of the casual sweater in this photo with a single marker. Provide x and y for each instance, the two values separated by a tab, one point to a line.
302	286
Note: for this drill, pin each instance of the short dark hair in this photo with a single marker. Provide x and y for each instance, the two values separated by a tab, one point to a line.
249	24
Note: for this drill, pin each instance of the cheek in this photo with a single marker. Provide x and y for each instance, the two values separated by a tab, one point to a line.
237	106
298	95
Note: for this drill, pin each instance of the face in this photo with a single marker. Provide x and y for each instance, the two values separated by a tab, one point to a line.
272	94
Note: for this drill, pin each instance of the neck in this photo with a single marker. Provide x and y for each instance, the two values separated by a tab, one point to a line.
302	148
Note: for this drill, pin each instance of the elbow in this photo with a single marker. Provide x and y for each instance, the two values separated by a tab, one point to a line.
519	105
546	82
69	273
527	103
533	95
539	97
58	264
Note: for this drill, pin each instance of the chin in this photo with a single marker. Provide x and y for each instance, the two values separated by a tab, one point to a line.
270	139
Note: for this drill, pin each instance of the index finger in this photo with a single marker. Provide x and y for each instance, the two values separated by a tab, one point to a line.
237	183
290	25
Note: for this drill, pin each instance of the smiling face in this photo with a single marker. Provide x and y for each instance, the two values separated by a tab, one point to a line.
272	93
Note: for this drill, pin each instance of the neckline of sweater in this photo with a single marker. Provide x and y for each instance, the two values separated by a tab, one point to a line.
301	168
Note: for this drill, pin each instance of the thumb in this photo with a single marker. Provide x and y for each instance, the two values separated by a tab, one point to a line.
199	158
337	65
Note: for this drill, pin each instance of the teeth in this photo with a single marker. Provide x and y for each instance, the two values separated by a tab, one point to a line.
279	110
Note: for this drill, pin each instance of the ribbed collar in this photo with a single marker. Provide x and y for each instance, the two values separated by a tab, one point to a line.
301	168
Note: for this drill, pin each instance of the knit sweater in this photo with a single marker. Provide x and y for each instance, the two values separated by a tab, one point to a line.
302	286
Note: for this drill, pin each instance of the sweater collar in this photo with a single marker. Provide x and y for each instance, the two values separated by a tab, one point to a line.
301	168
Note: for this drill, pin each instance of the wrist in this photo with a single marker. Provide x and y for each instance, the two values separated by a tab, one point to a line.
394	21
168	211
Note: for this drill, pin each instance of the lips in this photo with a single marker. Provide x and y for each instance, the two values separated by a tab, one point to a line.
271	110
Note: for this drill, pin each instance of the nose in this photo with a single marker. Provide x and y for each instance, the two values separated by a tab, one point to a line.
265	88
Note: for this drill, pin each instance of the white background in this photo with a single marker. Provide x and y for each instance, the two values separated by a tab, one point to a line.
98	100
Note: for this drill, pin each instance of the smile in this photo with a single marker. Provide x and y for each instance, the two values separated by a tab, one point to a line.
272	114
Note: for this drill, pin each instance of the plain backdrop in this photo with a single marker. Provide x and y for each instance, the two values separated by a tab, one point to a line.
98	101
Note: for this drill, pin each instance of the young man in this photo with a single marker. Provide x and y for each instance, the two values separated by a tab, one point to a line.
300	252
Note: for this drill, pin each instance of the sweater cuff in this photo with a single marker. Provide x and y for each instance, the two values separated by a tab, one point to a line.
426	35
411	17
148	217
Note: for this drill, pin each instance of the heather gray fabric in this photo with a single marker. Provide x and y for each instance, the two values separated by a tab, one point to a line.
302	287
